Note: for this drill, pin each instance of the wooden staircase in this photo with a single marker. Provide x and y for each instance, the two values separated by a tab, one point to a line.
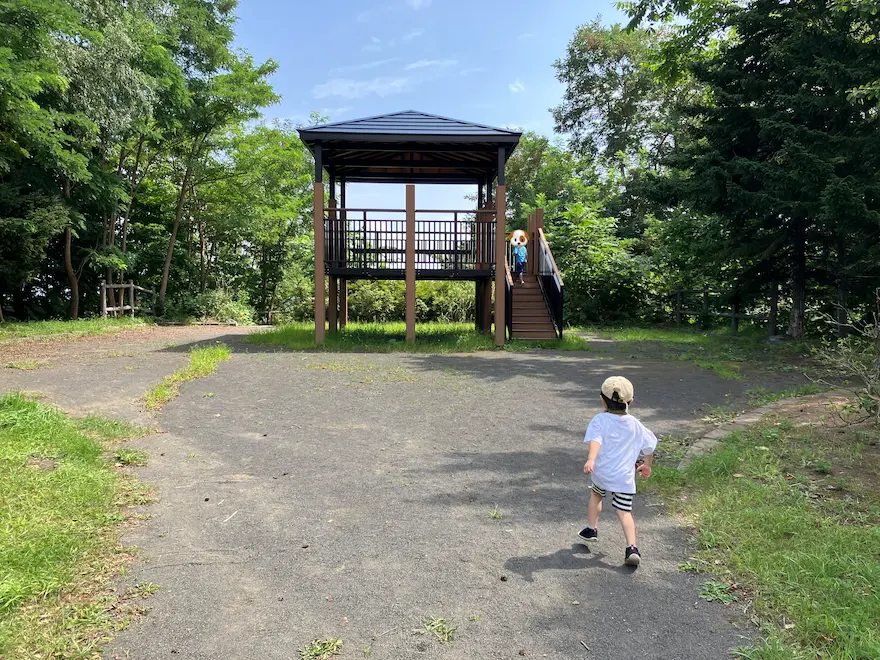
531	319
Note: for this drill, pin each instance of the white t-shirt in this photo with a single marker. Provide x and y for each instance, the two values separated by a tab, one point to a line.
623	438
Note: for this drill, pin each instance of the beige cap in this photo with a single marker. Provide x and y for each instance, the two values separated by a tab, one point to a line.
620	386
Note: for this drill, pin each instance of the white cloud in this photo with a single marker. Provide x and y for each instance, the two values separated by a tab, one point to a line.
418	4
425	64
517	87
361	67
355	89
412	34
374	46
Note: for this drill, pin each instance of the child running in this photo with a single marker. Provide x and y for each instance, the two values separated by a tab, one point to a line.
616	439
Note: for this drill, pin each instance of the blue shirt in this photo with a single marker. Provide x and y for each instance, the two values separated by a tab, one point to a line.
521	254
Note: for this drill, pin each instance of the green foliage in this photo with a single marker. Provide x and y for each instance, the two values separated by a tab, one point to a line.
217	305
604	280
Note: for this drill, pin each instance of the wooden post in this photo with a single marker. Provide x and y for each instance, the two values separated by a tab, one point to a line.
533	237
500	261
704	321
486	308
333	312
103	299
678	308
343	303
774	309
320	304
477	302
131	296
410	262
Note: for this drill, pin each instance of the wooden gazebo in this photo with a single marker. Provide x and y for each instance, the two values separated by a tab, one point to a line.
356	243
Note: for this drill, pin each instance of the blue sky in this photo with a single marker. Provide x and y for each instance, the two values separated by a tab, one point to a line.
487	61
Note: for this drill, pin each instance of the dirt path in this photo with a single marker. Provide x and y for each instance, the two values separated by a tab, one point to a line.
309	496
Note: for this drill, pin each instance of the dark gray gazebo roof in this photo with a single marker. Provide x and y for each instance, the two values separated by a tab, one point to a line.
410	147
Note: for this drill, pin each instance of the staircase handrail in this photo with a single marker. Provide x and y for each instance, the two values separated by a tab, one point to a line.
508	299
550	281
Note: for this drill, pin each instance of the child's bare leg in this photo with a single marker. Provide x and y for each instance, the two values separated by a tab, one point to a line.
594	508
628	524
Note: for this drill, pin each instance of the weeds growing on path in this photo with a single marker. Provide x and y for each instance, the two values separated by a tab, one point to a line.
60	505
202	362
389	338
791	514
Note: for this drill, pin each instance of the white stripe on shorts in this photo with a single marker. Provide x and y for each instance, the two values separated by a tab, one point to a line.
622	501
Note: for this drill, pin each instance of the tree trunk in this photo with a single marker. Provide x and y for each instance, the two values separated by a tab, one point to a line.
842	316
181	201
73	309
796	324
203	269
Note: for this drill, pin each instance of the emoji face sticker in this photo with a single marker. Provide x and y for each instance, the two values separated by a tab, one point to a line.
519	238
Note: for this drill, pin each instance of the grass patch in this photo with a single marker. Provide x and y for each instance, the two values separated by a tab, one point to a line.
202	362
109	430
130	457
686	336
495	514
390	338
718	350
321	649
24	365
719	592
791	514
60	505
761	396
440	628
11	331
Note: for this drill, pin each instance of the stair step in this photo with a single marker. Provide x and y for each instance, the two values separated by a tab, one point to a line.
533	326
534	335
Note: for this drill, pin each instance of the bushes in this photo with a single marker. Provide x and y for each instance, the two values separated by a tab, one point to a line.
605	281
218	305
380	301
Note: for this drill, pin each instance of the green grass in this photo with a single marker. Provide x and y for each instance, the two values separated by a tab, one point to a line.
24	365
60	506
792	516
439	627
321	649
718	350
685	335
202	362
11	331
125	456
761	396
389	338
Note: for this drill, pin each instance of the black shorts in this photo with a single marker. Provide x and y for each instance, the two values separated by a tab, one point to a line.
621	501
520	267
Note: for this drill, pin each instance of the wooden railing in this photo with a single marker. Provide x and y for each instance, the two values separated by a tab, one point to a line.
373	241
508	300
711	301
550	280
131	288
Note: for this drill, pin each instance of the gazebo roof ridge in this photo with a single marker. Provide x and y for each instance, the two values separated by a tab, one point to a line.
409	123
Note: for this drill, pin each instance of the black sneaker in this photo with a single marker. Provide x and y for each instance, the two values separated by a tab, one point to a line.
588	535
632	556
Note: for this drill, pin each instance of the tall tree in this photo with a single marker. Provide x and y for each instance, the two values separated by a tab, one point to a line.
779	154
